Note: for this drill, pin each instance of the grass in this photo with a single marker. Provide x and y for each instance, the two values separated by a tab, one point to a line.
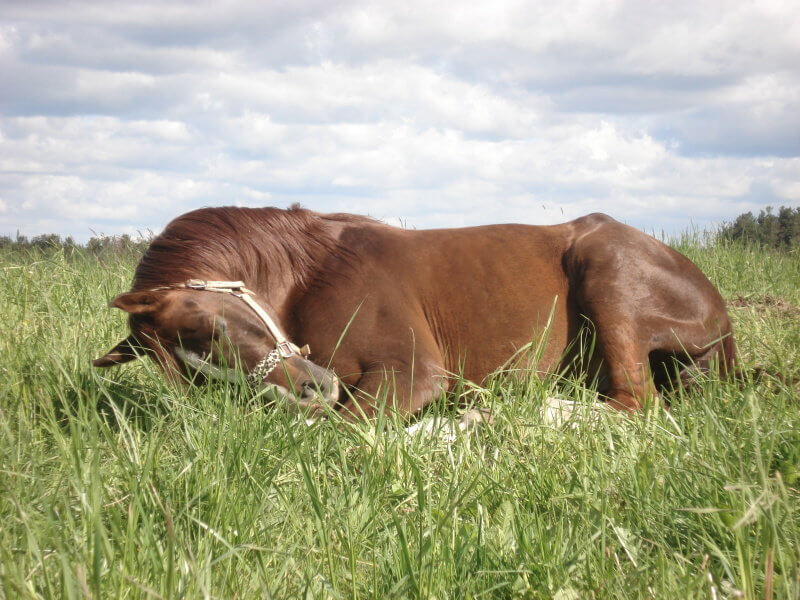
114	485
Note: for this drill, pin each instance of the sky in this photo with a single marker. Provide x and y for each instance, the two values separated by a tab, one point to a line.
115	117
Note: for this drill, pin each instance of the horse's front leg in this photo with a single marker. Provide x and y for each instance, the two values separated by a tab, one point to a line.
395	388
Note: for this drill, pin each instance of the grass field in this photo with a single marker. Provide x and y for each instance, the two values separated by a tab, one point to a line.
113	485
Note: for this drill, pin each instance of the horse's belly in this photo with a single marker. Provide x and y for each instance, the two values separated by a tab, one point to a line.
534	337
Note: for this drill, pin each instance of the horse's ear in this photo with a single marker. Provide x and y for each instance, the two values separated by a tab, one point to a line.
119	354
136	302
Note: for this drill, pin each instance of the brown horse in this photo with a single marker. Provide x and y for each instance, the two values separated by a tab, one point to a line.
384	306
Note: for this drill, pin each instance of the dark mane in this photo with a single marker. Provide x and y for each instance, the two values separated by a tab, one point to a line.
232	243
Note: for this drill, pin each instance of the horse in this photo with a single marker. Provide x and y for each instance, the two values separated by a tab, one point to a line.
227	290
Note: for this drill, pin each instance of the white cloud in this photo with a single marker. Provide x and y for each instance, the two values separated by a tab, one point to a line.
120	115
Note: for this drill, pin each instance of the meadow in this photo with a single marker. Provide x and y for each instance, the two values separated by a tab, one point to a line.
115	485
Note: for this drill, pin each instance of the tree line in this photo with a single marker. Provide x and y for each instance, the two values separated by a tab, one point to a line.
780	230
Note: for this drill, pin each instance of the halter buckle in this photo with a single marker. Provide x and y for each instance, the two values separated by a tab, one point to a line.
286	348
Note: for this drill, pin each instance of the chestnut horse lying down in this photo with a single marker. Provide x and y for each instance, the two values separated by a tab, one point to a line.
227	288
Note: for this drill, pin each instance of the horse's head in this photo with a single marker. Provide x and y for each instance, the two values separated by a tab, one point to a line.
194	335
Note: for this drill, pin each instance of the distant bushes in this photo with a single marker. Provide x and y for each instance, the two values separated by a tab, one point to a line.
117	244
780	231
100	245
45	241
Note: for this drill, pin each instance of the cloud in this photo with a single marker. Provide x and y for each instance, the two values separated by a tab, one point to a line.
116	116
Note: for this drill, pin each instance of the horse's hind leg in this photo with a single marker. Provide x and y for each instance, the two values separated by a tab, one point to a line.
626	351
625	364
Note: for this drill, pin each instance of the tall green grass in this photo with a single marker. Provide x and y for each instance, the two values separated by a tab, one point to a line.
114	485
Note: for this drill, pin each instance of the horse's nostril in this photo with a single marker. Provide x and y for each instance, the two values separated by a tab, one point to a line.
308	389
326	390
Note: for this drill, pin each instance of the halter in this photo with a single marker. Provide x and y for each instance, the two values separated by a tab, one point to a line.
283	347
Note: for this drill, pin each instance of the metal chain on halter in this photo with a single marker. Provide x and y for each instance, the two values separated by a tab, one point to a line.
265	366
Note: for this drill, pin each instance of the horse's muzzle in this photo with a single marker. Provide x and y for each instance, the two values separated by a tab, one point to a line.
320	390
313	388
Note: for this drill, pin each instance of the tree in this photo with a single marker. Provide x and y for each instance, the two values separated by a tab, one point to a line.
788	227
46	241
770	230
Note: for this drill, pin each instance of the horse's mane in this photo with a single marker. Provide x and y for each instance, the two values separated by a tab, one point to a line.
232	243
